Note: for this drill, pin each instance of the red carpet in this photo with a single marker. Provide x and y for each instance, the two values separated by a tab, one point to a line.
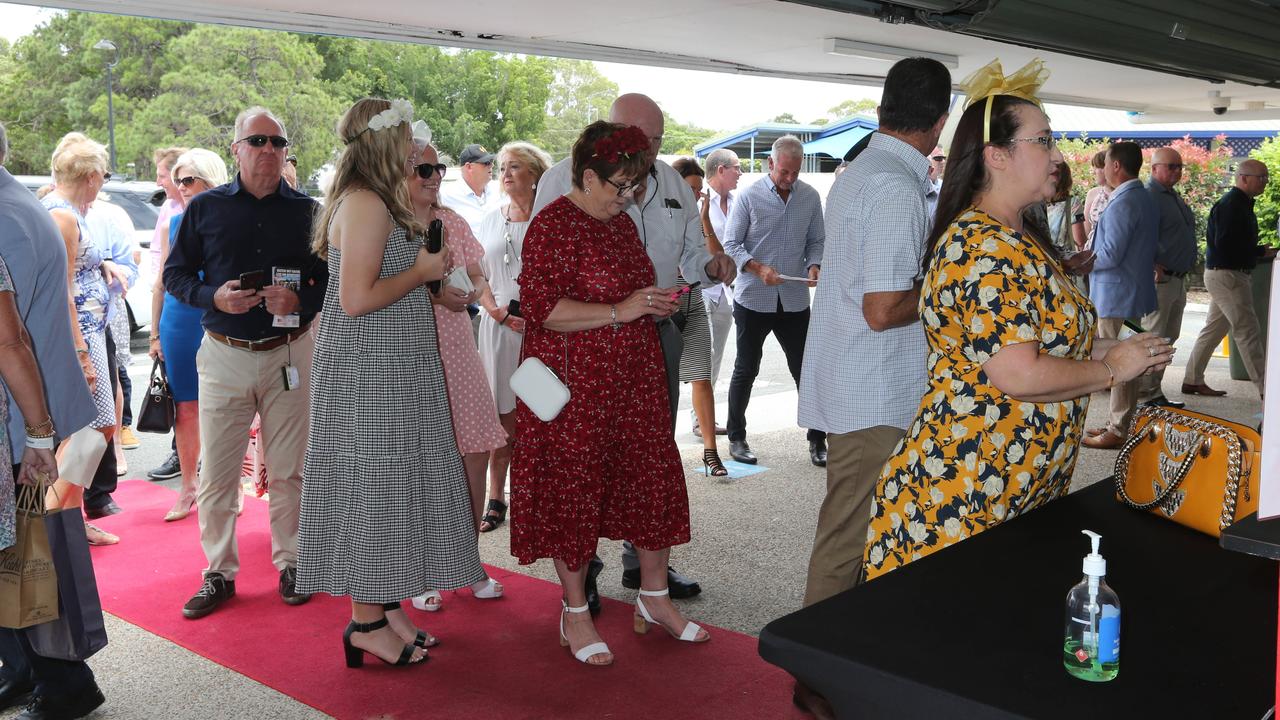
497	658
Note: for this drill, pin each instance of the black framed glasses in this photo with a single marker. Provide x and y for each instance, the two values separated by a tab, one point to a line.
938	158
425	170
106	176
626	189
277	141
188	181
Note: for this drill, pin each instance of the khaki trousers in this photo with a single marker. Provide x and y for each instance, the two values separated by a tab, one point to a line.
1124	395
235	385
1166	321
854	462
1230	308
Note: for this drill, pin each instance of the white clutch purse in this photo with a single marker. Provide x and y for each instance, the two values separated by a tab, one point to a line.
538	387
461	280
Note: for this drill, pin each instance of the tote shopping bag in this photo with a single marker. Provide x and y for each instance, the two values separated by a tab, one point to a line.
80	458
79	631
28	586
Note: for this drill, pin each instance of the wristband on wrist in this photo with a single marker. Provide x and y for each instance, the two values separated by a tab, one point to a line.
40	443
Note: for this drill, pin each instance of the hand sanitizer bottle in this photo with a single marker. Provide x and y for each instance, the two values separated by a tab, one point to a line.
1091	649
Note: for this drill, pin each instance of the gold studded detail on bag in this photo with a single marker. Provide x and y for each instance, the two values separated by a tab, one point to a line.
1195	469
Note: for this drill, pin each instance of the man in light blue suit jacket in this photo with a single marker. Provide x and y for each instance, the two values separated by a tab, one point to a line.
1122	284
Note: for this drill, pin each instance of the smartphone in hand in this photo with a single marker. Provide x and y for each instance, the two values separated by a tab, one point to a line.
513	308
252	280
435	241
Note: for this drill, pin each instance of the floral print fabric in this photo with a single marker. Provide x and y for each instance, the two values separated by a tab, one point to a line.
975	457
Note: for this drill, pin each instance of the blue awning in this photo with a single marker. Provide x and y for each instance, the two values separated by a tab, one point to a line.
837	144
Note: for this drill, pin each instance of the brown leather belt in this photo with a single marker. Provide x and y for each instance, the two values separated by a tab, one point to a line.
270	343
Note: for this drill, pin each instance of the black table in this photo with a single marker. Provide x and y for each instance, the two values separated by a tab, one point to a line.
976	630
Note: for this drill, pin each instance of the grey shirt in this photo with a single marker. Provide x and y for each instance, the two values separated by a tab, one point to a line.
33	250
1176	249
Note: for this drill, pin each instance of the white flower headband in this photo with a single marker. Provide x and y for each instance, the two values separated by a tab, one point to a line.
399	112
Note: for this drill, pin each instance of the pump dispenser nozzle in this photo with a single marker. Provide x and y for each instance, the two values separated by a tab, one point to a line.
1094	564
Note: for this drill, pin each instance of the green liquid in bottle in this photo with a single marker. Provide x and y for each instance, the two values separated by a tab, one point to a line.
1079	661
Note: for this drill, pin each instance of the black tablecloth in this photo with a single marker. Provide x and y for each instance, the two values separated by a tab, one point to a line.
976	630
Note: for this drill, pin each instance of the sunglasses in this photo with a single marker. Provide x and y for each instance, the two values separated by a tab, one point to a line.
1171	166
106	176
188	181
425	170
277	142
938	158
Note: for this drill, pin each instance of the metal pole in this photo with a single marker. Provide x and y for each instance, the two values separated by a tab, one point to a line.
111	122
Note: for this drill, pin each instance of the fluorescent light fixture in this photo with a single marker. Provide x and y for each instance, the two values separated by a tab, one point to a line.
872	51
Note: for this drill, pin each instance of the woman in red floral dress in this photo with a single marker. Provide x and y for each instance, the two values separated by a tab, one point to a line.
606	466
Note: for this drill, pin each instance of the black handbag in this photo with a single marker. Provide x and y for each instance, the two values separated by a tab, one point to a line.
157	407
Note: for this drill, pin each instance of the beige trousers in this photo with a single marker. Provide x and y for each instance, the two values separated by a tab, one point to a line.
1124	395
1230	308
235	385
1166	321
854	462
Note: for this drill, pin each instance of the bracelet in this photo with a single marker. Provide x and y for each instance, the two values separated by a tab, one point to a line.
613	317
82	351
44	429
40	443
1110	372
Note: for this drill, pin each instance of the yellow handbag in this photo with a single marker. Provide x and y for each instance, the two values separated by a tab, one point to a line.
1195	469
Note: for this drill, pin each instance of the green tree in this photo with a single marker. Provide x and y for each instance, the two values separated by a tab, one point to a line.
579	95
786	117
679	138
849	108
1267	206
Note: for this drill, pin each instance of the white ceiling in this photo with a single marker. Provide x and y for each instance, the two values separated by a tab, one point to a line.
758	37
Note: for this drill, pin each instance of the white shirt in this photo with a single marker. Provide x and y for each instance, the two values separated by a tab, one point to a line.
719	218
853	377
460	198
667	220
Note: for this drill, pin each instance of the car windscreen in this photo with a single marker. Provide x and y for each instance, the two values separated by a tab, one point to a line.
141	211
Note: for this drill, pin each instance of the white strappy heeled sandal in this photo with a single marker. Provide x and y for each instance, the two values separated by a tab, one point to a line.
487	589
425	601
643	620
583	655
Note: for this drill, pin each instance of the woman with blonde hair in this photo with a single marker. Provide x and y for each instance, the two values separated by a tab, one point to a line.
79	167
177	329
475	419
385	510
520	167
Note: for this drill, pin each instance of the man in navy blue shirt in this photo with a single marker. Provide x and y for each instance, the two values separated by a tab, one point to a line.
243	254
1231	252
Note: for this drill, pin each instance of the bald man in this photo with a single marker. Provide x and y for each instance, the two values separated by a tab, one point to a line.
1176	253
669	223
1232	251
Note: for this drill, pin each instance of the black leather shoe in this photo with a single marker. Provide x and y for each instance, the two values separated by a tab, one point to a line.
68	707
15	694
167	470
111	508
215	591
739	450
288	579
678	585
1162	401
818	452
593	593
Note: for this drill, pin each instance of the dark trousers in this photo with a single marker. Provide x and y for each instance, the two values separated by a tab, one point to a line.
126	389
98	494
790	328
22	665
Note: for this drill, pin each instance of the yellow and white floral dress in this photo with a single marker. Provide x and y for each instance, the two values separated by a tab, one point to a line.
975	457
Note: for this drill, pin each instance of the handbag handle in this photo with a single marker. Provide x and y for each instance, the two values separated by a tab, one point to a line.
30	499
1183	469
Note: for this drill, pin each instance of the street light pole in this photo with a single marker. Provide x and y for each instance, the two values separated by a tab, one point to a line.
111	115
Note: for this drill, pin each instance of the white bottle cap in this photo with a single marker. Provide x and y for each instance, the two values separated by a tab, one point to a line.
1094	564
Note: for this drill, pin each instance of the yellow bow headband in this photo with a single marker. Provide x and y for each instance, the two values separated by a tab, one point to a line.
988	81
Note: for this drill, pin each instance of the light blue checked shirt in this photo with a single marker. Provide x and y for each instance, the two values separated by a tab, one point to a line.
786	236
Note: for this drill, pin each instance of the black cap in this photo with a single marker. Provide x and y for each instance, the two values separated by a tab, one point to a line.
475	154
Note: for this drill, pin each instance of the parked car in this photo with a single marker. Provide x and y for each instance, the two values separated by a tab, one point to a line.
142	201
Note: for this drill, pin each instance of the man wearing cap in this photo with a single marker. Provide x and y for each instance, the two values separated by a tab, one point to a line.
477	193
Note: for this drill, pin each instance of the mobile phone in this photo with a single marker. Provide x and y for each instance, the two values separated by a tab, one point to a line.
1130	329
252	280
513	308
690	288
435	241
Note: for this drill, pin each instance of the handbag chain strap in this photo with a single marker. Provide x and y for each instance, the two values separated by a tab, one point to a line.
1205	428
